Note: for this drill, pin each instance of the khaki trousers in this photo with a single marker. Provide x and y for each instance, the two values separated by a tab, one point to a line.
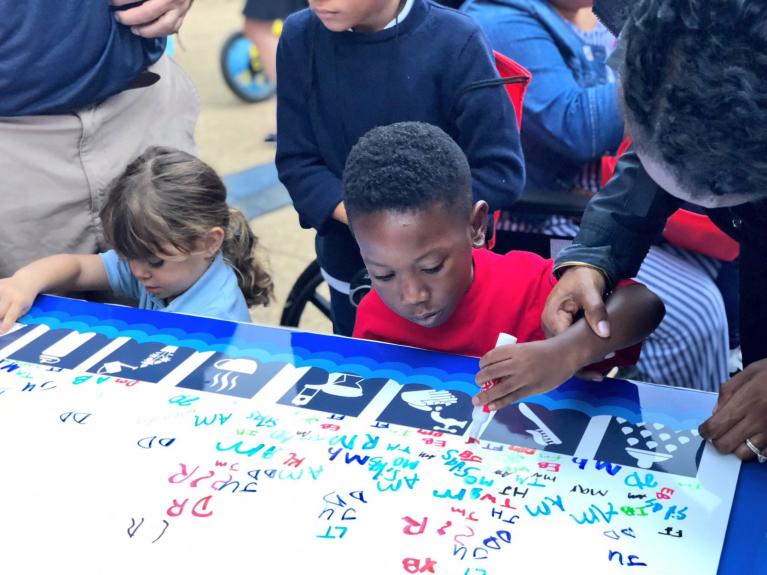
54	169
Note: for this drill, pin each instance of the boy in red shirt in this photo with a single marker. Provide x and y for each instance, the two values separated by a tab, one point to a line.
408	196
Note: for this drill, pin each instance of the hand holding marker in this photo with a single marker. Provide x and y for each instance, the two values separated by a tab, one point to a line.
481	413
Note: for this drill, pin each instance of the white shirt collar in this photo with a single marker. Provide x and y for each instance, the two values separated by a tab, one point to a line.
401	16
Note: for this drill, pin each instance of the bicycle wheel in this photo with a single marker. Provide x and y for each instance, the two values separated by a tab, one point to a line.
242	70
305	291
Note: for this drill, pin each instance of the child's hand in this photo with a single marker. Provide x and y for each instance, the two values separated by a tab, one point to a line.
521	370
16	298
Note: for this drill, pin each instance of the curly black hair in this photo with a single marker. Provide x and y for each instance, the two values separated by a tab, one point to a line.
695	87
405	167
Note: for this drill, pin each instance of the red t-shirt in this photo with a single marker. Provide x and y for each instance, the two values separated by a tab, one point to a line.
507	295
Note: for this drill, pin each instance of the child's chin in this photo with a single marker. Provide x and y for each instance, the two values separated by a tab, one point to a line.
333	24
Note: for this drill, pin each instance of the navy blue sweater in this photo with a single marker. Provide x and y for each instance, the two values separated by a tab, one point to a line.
60	55
336	86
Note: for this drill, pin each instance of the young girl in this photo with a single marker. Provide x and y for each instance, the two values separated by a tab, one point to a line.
178	247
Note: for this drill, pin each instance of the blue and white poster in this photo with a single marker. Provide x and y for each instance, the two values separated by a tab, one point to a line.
137	441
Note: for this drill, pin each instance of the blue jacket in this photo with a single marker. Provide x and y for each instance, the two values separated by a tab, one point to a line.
571	111
336	86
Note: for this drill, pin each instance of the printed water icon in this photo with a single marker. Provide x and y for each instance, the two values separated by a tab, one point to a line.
61	348
652	446
144	361
423	407
532	425
237	376
341	393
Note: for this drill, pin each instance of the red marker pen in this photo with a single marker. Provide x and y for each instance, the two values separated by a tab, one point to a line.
481	413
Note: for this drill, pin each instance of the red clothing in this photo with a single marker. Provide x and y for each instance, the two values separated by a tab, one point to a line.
507	295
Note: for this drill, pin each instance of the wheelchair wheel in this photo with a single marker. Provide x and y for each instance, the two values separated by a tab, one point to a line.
242	70
305	291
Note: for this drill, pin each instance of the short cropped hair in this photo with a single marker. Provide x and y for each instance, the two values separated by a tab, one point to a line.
695	88
406	167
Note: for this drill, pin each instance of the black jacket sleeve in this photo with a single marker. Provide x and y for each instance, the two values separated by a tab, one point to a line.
620	222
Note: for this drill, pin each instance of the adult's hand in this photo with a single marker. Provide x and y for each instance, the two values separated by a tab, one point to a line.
153	18
740	413
579	288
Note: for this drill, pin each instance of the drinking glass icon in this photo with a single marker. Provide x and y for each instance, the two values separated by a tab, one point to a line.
232	369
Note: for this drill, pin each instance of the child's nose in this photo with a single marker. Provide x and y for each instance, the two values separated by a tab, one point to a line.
141	271
413	292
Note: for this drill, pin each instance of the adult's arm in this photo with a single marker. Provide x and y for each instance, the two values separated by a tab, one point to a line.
153	18
617	228
620	223
485	125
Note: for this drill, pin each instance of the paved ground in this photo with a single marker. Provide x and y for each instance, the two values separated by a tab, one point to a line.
230	137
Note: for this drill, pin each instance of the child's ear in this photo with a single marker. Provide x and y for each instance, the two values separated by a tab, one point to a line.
478	223
213	240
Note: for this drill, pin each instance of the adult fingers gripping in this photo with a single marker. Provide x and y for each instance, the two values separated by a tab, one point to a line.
595	312
559	312
579	288
729	388
743	415
167	24
723	421
154	17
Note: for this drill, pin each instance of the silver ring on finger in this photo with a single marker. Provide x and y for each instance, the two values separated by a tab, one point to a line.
760	457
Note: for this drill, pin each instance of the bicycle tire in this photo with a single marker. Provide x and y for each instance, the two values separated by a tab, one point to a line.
243	75
303	292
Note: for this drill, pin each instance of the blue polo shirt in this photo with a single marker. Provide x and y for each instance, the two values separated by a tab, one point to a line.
216	294
57	56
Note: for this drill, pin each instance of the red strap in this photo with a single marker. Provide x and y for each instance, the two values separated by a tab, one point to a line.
508	68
